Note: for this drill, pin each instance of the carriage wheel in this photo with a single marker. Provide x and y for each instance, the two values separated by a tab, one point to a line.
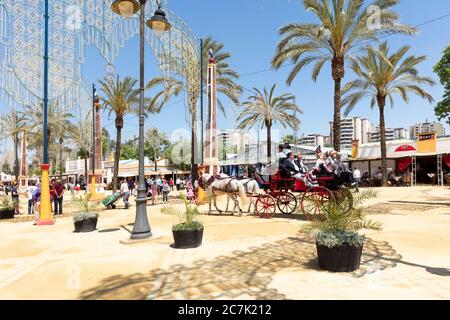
265	206
313	199
344	198
287	203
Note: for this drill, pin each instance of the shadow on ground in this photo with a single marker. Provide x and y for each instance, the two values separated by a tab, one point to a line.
240	275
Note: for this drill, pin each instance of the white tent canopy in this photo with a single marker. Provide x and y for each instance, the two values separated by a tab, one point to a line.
400	149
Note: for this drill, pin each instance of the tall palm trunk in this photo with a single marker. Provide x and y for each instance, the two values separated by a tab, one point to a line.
338	74
119	126
269	142
381	104
16	157
60	157
155	158
86	154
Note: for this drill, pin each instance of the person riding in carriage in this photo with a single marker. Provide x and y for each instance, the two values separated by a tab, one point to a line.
294	168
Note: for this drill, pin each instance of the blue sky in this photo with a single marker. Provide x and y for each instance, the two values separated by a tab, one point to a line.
249	30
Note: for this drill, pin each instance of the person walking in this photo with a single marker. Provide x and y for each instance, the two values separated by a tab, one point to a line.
59	192
356	178
171	184
178	183
165	191
154	192
131	186
125	192
37	201
52	195
15	197
30	190
159	184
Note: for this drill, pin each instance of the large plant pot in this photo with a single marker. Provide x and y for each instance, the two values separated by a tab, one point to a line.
187	239
7	214
87	225
345	258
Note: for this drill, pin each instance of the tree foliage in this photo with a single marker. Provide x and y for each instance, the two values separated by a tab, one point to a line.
442	69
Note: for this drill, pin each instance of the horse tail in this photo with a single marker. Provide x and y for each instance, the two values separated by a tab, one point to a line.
242	192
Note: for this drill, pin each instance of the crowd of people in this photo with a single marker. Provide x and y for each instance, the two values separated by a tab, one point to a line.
33	192
327	164
154	186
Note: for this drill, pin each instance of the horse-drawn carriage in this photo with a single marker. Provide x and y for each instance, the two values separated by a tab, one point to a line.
287	194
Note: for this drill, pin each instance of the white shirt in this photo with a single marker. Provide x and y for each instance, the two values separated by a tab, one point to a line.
30	191
319	162
281	155
295	165
356	174
124	187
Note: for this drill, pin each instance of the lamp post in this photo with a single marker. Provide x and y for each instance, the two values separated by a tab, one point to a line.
95	102
158	23
45	214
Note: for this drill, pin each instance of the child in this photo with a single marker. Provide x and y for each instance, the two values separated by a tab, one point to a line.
190	192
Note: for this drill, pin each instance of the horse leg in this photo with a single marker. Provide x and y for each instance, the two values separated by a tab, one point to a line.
237	204
210	196
215	205
250	205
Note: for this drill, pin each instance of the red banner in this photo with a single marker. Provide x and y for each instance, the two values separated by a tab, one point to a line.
402	164
405	147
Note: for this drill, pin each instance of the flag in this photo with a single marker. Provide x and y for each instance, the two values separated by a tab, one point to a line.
318	150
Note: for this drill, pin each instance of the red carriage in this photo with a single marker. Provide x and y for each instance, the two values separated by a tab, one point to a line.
287	194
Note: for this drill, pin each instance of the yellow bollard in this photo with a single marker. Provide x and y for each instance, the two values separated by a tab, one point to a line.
93	195
45	210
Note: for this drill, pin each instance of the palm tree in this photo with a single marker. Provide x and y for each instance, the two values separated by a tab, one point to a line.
266	109
82	138
227	86
11	124
381	75
120	97
343	25
58	125
227	78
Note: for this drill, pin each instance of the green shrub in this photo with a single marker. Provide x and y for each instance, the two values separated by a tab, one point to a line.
86	207
85	216
188	218
6	203
343	221
338	238
194	225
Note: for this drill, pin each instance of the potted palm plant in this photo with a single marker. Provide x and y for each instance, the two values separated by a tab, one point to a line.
86	220
339	245
7	207
188	233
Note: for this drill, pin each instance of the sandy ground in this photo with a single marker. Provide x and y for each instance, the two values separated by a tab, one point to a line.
241	257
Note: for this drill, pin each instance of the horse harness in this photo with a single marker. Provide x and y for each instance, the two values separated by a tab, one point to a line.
211	180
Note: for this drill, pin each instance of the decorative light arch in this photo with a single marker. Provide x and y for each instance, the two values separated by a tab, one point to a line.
73	25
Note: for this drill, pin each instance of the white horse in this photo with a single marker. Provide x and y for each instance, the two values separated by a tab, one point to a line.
224	185
252	189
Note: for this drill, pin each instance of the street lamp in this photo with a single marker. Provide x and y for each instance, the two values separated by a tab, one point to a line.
158	23
45	214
